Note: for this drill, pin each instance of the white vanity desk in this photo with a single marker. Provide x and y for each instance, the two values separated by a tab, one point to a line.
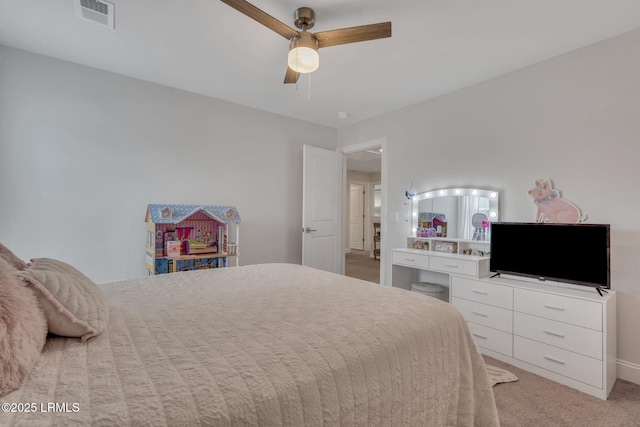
438	262
564	334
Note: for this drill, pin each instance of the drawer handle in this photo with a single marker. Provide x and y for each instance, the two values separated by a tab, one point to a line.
410	259
554	360
451	265
479	336
554	307
480	314
480	292
555	334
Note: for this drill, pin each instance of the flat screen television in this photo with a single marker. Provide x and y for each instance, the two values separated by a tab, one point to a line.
577	254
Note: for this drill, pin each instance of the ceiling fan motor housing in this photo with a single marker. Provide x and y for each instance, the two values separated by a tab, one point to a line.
305	39
304	18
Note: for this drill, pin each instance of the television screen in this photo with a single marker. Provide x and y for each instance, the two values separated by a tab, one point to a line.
570	253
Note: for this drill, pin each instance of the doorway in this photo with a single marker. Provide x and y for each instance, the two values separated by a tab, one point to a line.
364	207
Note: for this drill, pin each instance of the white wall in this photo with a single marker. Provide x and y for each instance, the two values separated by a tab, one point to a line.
82	152
574	119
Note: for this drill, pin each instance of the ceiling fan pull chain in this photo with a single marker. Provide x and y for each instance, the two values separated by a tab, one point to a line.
309	90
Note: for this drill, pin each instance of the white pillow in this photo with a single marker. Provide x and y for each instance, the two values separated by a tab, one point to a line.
73	305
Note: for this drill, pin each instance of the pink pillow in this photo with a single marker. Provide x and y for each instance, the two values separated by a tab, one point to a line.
11	258
73	305
23	329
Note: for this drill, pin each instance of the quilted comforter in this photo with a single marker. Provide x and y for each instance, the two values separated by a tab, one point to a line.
263	345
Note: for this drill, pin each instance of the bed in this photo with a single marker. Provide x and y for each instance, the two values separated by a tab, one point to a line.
261	345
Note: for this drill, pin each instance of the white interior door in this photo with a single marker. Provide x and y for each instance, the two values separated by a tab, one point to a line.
322	209
356	217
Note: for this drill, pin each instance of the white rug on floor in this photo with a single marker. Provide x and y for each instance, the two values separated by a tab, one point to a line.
499	375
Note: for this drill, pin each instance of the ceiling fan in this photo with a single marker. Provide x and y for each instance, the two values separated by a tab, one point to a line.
303	48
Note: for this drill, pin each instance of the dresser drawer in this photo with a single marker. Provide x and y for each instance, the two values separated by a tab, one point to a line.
575	311
486	293
487	315
575	366
569	337
411	259
492	339
453	265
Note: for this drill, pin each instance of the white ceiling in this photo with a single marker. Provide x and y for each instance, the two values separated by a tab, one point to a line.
207	47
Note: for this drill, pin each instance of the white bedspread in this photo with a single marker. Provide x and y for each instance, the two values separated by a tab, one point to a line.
263	345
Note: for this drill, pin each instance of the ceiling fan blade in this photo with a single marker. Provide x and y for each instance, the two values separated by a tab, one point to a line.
291	76
262	17
353	34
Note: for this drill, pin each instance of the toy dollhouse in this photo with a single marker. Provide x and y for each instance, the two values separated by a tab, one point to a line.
190	237
432	224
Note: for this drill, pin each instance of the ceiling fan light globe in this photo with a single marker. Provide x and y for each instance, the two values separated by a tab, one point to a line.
303	59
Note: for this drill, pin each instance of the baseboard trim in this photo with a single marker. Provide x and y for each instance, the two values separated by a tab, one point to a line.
628	371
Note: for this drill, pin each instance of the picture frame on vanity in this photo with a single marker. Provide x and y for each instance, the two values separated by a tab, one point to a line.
446	247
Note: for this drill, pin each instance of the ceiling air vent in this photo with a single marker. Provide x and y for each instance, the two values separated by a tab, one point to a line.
97	11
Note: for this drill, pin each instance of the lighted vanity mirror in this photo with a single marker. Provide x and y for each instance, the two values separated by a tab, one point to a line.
455	213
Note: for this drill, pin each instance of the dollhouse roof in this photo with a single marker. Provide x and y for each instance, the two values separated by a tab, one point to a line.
430	216
174	214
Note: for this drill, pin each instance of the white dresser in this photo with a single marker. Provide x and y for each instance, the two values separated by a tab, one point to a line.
567	335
